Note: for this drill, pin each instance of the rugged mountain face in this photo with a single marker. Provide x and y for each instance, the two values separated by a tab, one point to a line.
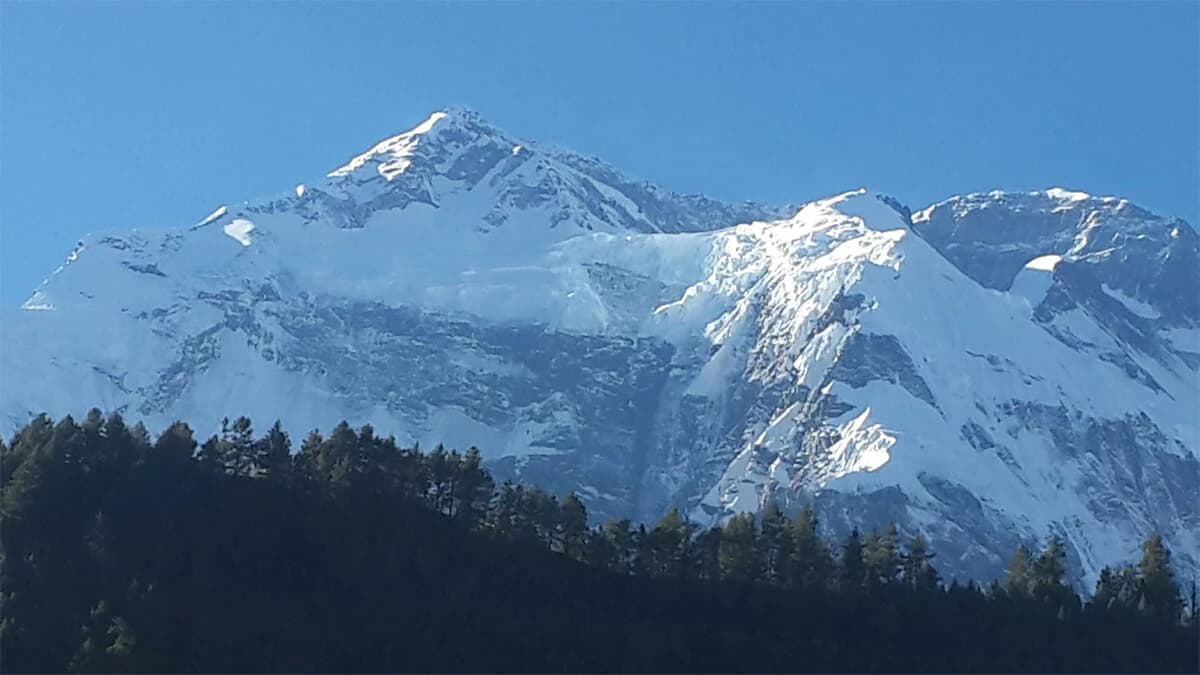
991	367
987	370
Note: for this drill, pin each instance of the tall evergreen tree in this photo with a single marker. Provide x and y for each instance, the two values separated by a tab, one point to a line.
667	546
540	509
1050	584
441	474
1117	589
704	556
776	544
739	553
1160	593
474	489
511	518
919	572
881	556
1019	576
812	562
177	443
273	453
340	458
572	526
620	538
239	446
852	571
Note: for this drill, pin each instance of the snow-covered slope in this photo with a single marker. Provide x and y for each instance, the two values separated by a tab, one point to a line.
1047	399
987	370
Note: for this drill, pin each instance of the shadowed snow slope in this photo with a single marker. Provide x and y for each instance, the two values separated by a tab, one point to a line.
986	371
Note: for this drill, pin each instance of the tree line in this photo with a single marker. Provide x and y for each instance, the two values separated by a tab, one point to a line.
120	551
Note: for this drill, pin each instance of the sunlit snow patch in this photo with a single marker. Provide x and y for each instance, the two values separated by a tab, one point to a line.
1045	263
212	216
300	190
240	229
1034	280
1066	198
38	302
397	150
516	149
1066	195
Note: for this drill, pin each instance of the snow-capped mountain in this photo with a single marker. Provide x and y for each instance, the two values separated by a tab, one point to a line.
986	371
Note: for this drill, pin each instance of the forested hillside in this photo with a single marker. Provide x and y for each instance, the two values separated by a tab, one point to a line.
127	552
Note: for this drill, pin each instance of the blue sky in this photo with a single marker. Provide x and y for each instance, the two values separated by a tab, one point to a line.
123	114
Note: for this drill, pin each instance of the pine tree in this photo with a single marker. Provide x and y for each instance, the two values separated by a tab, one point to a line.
852	570
410	474
41	448
239	448
1050	568
919	572
1105	595
510	519
340	457
176	444
1019	576
1050	579
273	454
441	471
309	461
620	537
140	435
540	509
93	422
812	563
776	544
704	556
115	451
881	556
473	489
1117	589
995	591
739	557
232	451
1160	593
667	546
572	526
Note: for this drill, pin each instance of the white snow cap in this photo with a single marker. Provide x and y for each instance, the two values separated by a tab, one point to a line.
1066	195
1044	263
220	211
395	150
240	229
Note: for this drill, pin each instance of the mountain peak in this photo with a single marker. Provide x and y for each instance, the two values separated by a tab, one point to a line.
462	113
393	155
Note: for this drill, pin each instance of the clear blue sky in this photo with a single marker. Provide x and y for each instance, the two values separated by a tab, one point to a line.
123	114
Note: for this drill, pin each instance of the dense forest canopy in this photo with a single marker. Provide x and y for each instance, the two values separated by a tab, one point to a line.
127	552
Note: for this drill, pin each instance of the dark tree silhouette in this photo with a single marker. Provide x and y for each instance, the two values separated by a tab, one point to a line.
121	552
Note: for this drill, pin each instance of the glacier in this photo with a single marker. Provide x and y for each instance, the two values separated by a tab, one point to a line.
986	371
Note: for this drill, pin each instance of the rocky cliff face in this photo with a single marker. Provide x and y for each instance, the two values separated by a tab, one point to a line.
985	371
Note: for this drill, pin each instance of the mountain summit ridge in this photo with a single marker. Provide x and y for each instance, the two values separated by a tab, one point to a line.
987	370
